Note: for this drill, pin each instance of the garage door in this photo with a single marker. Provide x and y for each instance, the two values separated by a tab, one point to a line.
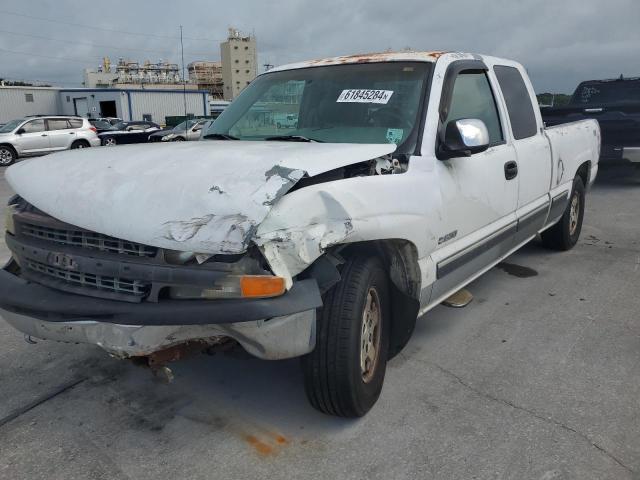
81	106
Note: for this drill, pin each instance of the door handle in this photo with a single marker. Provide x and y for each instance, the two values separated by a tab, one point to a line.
510	170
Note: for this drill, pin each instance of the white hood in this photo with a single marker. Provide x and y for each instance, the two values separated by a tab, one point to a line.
204	197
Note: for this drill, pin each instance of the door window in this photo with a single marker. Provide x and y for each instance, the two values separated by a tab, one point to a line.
516	96
34	126
472	98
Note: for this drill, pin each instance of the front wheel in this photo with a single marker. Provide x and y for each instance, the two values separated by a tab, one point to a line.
7	156
178	139
345	371
564	234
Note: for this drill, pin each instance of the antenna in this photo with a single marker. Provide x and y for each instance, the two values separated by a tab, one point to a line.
184	85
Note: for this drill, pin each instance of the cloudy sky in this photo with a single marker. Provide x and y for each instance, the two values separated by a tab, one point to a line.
560	42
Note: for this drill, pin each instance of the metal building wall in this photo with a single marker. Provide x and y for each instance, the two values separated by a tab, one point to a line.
13	103
160	104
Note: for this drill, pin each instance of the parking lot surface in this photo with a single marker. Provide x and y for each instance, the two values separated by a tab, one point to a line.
538	378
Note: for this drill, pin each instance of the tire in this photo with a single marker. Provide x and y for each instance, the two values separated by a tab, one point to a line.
178	139
7	155
109	142
79	144
336	381
565	233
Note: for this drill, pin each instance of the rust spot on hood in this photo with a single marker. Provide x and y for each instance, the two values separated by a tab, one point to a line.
378	57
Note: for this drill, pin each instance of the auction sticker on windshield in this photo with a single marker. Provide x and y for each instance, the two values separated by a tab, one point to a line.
364	96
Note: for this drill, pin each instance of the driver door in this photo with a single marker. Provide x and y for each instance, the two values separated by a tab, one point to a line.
34	139
479	199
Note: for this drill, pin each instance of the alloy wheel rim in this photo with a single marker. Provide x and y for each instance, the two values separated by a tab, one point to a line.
5	157
370	335
110	142
574	214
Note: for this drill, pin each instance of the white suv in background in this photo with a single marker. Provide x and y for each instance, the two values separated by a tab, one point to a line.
31	136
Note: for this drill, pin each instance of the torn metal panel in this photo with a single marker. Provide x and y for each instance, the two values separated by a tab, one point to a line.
277	338
206	197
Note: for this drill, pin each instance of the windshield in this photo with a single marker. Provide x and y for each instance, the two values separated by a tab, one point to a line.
360	103
603	93
11	126
120	126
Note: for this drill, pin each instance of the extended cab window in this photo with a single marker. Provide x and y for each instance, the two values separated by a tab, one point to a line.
472	98
516	96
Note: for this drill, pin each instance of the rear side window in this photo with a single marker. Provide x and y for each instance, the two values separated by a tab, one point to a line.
607	93
472	98
57	124
75	123
516	96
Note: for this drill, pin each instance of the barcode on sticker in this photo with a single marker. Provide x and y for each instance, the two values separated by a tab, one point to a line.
364	96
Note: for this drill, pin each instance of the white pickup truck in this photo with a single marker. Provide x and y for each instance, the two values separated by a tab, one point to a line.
407	176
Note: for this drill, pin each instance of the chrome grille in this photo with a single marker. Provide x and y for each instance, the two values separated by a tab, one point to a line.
89	280
87	239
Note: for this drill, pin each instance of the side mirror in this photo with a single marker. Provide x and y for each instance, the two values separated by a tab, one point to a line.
464	137
20	131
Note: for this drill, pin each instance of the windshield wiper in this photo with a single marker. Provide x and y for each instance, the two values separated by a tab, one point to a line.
293	138
220	136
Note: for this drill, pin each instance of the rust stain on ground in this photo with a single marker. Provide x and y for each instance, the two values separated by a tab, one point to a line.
261	447
280	440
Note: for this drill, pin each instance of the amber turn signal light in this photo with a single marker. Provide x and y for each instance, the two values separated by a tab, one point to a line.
260	286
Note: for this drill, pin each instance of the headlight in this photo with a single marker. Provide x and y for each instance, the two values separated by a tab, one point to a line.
234	286
167	137
8	219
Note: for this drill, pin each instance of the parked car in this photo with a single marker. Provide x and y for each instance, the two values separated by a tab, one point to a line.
187	130
39	135
408	176
101	125
615	104
128	132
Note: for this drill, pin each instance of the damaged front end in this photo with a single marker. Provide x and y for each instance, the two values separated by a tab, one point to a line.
107	263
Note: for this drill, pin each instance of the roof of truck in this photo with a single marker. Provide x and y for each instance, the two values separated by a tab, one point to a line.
406	55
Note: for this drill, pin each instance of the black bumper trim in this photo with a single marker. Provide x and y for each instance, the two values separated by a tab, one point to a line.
37	301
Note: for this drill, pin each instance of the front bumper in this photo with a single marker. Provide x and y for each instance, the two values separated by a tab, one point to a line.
274	328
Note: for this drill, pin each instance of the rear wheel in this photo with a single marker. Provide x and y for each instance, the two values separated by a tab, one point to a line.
7	155
345	372
79	144
109	142
564	234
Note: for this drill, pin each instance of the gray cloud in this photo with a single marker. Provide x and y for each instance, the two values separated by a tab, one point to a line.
560	43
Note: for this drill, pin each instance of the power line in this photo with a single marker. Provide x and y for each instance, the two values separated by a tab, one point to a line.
93	27
97	45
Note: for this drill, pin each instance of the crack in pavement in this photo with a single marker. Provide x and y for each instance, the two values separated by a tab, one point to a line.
40	400
547	419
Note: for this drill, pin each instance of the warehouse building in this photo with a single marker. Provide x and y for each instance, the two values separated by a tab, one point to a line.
128	104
